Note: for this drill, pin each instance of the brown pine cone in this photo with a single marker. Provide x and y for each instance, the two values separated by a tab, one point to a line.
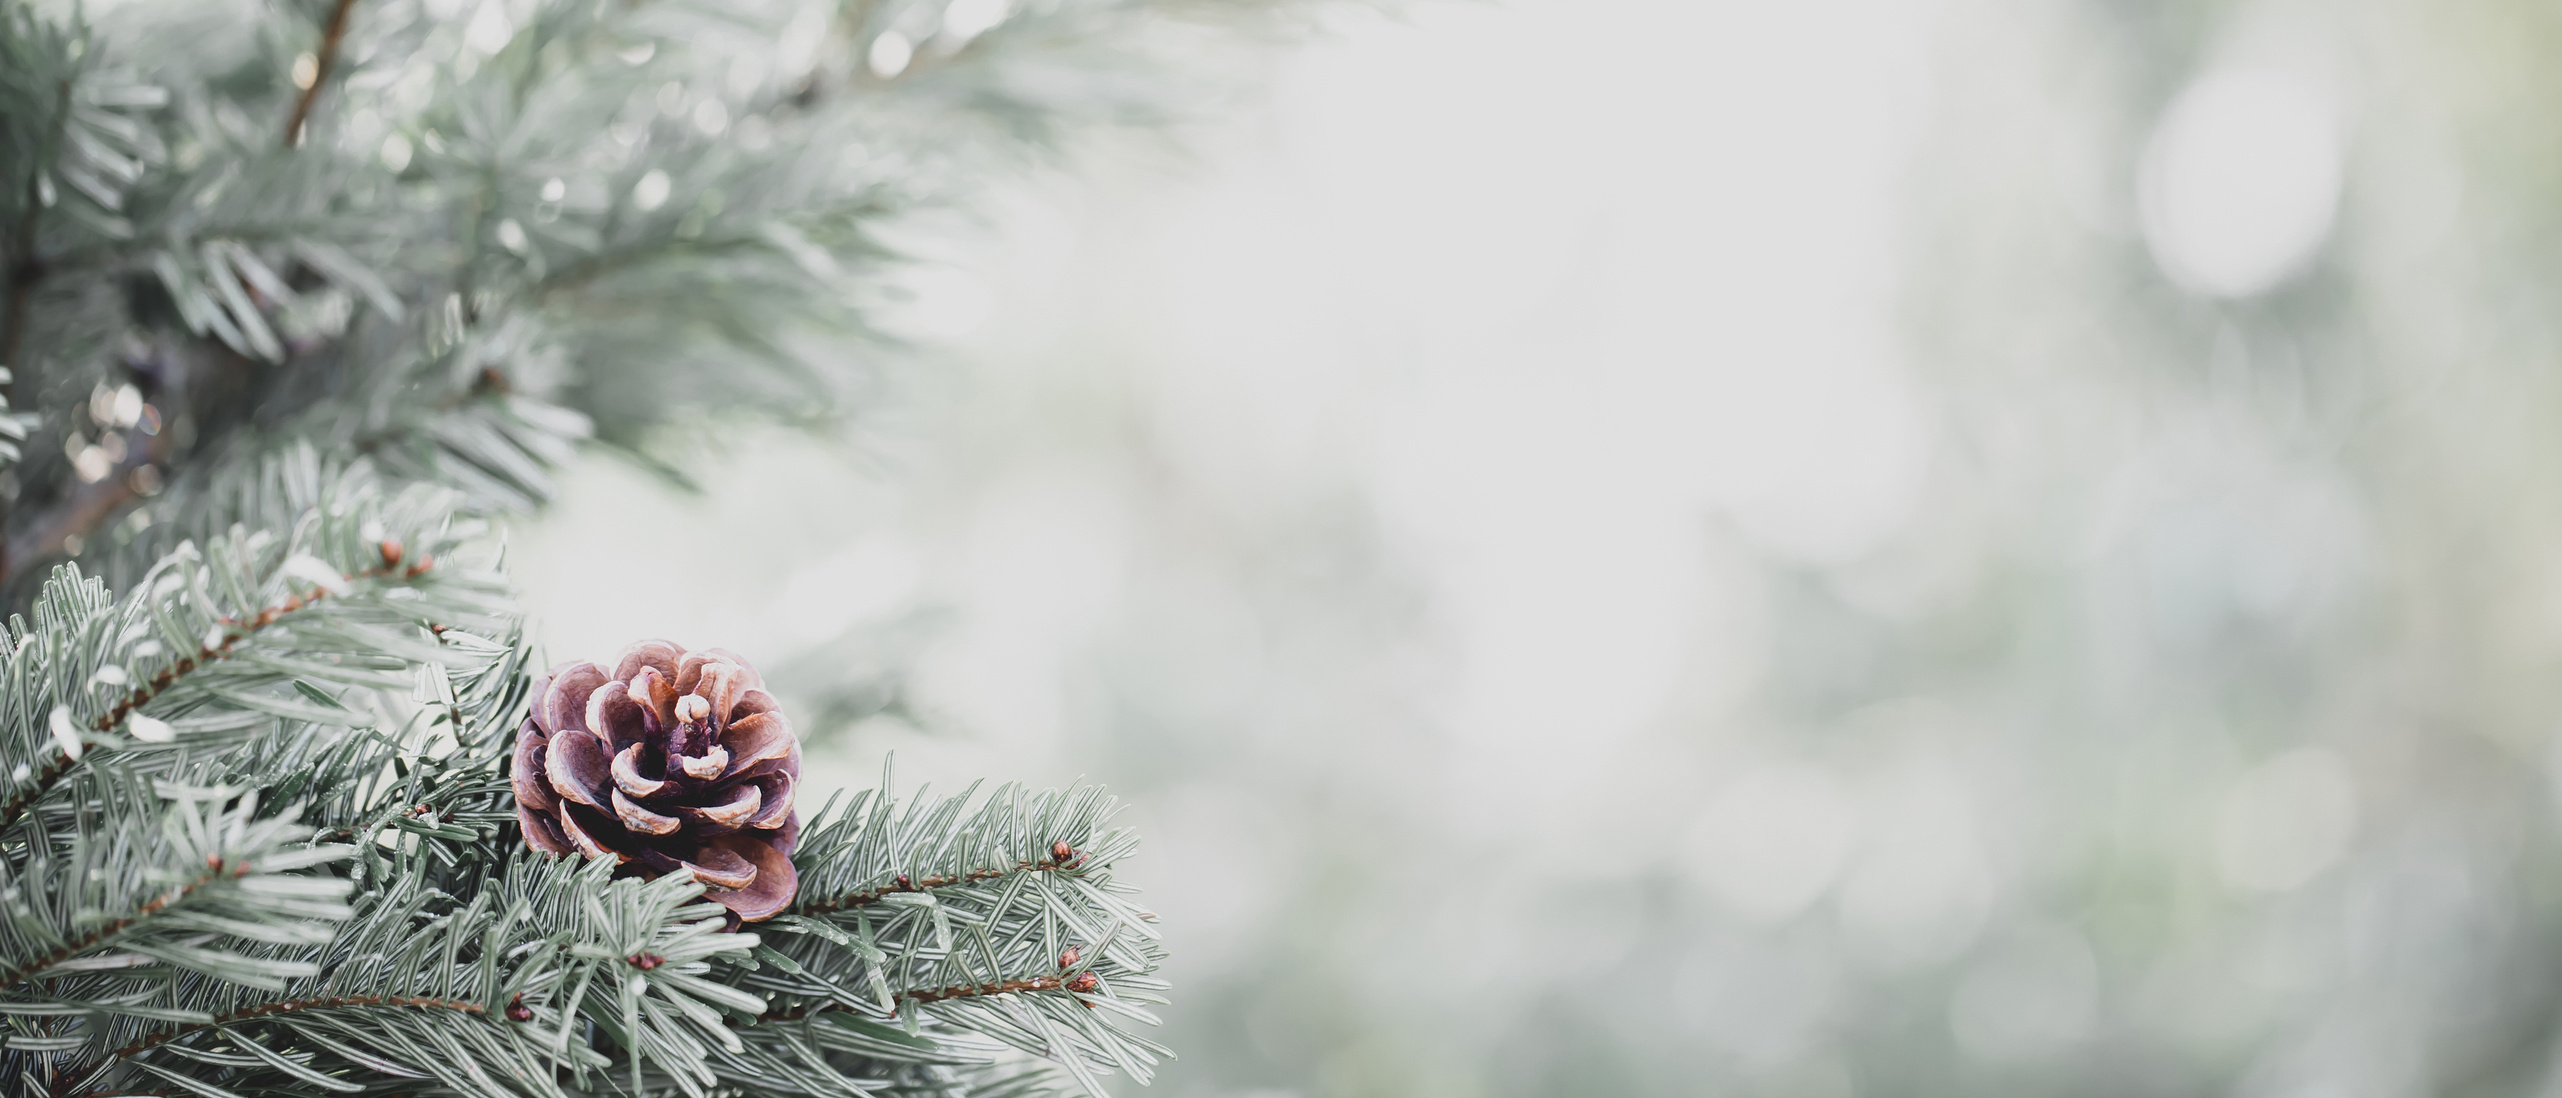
675	760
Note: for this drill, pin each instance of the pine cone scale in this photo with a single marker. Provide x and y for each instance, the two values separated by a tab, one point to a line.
629	779
579	823
663	656
641	819
759	738
775	882
705	767
577	766
677	762
775	791
728	815
556	710
543	833
609	709
721	867
656	696
532	792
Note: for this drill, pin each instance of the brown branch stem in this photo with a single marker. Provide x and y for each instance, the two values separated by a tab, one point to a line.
60	765
973	991
326	56
927	995
869	897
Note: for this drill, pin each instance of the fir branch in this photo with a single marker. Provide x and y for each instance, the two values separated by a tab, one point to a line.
991	908
549	938
62	762
326	57
647	247
269	1010
234	915
20	973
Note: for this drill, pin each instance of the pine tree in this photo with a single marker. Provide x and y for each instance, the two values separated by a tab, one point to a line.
299	298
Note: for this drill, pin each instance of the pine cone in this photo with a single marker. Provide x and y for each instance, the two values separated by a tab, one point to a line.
676	760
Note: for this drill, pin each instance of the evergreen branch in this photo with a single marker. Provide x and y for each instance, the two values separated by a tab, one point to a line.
268	1010
545	945
327	56
232	876
875	847
647	244
20	973
62	762
358	602
984	899
169	676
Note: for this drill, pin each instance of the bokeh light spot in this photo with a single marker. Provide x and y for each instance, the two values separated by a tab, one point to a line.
2241	181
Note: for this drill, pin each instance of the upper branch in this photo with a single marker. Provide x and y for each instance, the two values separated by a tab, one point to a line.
327	56
24	268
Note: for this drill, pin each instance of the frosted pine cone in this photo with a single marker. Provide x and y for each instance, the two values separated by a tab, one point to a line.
675	760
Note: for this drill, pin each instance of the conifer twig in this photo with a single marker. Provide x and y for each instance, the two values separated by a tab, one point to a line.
324	58
265	1010
869	897
263	307
21	973
60	765
930	995
974	991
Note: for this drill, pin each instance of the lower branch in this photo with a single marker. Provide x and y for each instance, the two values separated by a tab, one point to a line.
267	1010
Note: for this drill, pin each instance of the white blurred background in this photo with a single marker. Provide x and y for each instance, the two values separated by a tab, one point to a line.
1705	547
